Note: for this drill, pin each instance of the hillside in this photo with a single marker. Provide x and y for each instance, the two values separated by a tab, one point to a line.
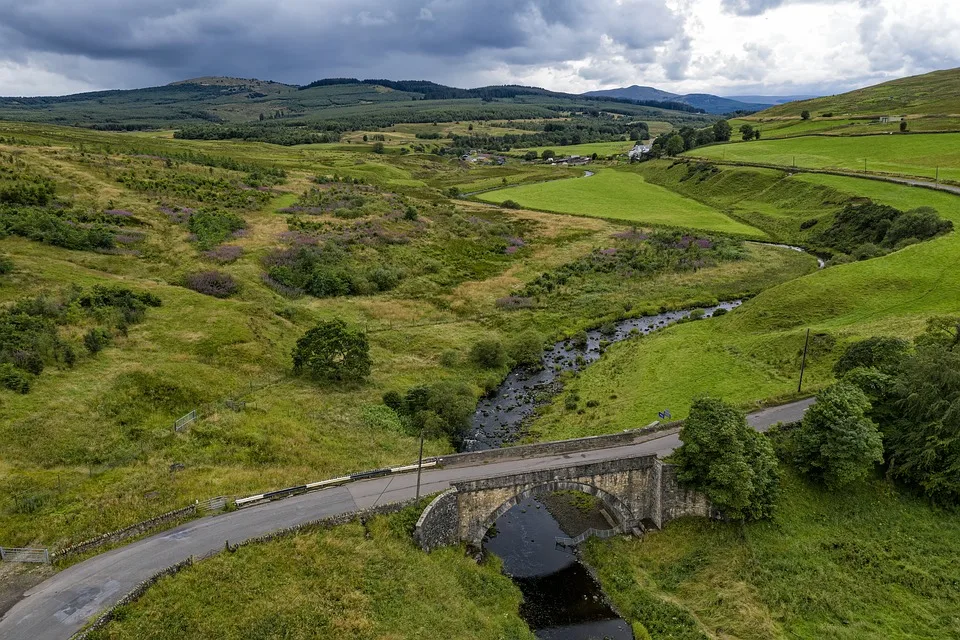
936	93
709	103
234	101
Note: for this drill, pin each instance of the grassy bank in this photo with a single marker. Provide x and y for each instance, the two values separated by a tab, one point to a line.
868	563
621	195
352	582
913	155
754	352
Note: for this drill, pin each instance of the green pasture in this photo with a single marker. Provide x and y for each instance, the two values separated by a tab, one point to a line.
912	155
602	149
621	195
866	563
753	354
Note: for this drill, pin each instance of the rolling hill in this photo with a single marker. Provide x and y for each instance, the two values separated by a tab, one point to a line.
378	103
930	94
707	102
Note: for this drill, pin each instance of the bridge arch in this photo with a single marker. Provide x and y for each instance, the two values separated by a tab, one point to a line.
615	506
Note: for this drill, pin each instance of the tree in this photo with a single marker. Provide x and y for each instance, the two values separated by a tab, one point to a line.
527	348
756	134
903	126
547	154
805	114
721	130
489	354
882	353
746	132
440	410
733	465
378	147
332	351
530	155
675	145
836	442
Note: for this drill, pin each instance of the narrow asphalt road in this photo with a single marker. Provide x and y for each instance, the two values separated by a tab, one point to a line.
63	604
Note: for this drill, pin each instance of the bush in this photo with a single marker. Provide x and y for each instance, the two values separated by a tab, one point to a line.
722	456
510	204
6	265
449	358
527	349
572	401
212	283
332	351
488	354
882	353
96	339
444	409
14	379
808	224
836	442
213	227
719	312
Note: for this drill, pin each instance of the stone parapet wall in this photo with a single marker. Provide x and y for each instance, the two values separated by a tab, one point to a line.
438	525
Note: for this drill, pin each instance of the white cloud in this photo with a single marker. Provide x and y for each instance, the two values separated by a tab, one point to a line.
716	46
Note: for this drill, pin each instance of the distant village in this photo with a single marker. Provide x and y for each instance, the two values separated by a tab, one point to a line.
475	156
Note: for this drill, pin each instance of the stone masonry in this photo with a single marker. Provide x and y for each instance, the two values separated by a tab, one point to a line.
633	490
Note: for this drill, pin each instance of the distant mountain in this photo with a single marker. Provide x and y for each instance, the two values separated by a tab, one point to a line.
771	100
332	104
709	103
936	93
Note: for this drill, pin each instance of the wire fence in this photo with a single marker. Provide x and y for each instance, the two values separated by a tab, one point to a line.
589	533
20	554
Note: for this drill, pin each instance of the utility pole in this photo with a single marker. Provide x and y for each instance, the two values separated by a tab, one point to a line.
420	463
803	364
938	175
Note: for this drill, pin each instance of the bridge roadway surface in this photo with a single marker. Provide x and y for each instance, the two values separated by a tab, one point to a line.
64	603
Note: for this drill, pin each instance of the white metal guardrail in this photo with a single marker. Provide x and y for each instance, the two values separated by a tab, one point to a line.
19	554
589	533
185	421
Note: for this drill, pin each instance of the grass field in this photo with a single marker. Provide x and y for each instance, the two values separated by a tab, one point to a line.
754	353
913	155
353	582
600	148
621	195
90	448
862	564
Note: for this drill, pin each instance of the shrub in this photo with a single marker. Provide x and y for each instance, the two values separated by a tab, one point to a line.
591	404
212	283
449	358
332	351
96	339
213	227
224	254
440	410
510	204
527	348
488	354
722	456
14	379
719	312
882	353
836	442
809	224
571	401
6	265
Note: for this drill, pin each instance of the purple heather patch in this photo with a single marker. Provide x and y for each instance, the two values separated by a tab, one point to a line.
118	213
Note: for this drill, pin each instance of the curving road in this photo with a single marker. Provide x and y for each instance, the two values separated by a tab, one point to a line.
63	604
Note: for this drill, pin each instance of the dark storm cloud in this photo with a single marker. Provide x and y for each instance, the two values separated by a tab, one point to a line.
300	40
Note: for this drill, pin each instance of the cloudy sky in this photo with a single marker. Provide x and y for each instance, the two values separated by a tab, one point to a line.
716	46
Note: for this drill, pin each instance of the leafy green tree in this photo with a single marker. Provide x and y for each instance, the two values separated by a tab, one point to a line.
903	126
882	353
756	134
746	132
489	354
733	465
836	442
675	145
923	438
547	154
530	155
332	351
721	130
527	348
805	114
942	331
378	147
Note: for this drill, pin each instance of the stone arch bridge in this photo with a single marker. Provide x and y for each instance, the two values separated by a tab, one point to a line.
633	490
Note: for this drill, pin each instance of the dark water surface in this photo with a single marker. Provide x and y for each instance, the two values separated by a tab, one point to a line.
499	416
561	600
